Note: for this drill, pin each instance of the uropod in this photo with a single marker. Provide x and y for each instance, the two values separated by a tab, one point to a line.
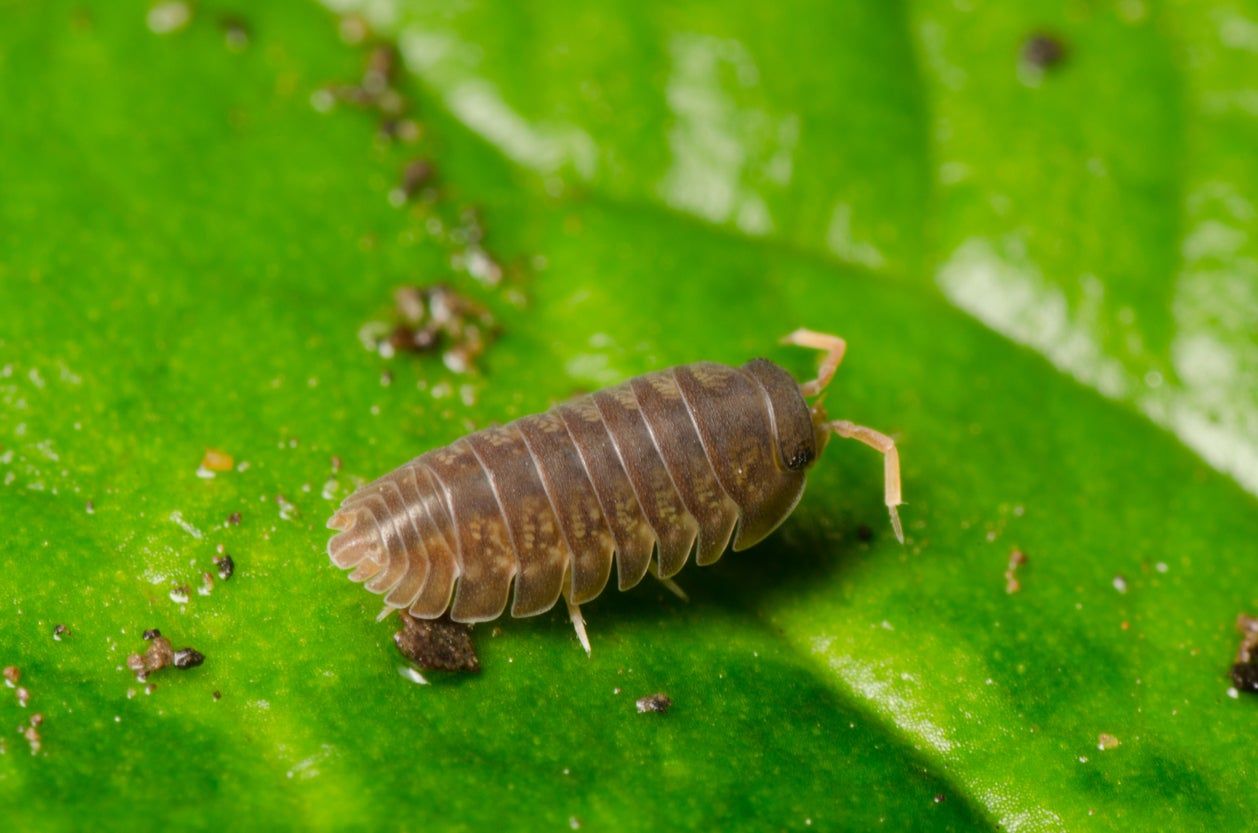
686	460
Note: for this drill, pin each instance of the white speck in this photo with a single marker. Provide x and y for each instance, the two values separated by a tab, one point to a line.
179	595
406	672
36	379
178	518
330	487
168	17
322	101
1161	567
1233	693
887	626
288	510
1083	759
574	823
1120	584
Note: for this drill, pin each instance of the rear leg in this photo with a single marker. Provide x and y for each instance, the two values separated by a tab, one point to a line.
578	624
673	587
891	464
833	347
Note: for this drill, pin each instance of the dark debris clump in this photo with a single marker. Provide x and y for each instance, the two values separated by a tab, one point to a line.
160	654
658	703
1245	670
436	644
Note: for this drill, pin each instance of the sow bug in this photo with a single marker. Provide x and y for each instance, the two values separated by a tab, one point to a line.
645	473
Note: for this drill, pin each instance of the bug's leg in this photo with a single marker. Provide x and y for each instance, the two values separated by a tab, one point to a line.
673	587
834	348
891	464
578	622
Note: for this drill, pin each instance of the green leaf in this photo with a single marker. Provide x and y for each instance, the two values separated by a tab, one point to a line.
190	251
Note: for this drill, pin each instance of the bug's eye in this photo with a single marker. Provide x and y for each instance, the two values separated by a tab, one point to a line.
800	459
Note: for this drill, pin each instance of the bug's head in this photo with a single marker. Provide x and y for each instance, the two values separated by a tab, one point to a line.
820	431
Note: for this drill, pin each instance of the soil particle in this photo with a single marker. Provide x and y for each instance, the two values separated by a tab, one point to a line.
1245	670
59	632
436	644
660	703
1043	51
1017	559
11	675
161	655
215	462
234	519
226	566
187	658
1106	742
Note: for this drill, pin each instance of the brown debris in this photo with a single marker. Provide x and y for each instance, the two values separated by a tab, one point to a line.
23	696
226	566
160	655
186	658
60	631
416	174
11	675
216	461
436	644
659	703
1017	559
234	519
1043	51
235	32
31	732
1245	670
1106	742
437	317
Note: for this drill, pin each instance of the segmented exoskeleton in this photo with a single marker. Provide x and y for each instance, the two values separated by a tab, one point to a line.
645	473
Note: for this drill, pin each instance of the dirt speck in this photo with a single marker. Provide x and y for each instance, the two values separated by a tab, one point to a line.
436	644
1017	560
226	566
215	462
236	32
31	733
60	632
417	174
659	703
1106	742
90	507
1120	583
180	594
288	509
1043	51
160	654
12	674
1245	670
217	695
187	658
437	318
864	533
23	696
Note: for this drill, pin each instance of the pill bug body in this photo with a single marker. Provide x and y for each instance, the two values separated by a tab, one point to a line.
692	459
660	466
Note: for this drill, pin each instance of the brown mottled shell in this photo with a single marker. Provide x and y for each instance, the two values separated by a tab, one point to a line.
680	461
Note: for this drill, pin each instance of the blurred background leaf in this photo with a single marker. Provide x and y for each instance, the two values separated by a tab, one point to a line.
191	250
